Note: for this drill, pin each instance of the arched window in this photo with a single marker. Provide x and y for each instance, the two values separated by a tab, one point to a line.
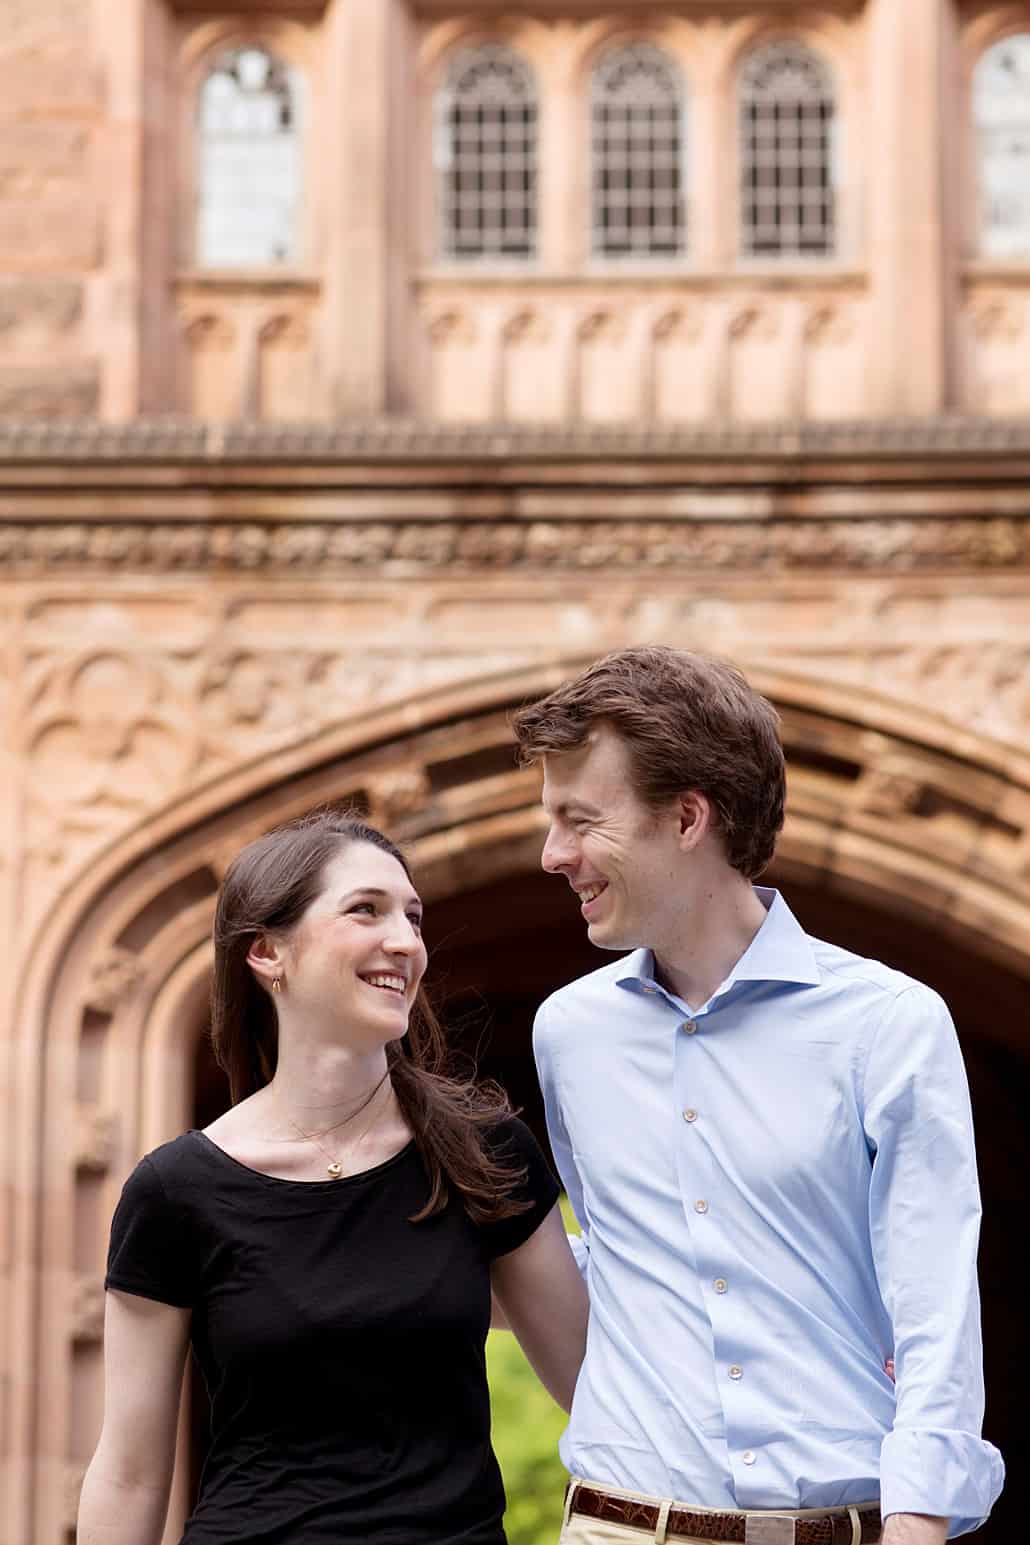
1001	114
636	112
786	153
248	162
486	155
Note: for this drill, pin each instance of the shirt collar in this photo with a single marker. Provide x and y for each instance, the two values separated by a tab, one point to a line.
779	952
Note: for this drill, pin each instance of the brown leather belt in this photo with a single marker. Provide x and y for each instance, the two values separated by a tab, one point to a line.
814	1529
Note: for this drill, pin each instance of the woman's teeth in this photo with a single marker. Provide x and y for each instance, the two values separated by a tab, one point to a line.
391	983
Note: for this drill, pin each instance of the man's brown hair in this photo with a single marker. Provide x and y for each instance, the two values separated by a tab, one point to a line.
688	721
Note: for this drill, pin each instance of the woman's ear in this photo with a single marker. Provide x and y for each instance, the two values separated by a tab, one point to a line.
265	958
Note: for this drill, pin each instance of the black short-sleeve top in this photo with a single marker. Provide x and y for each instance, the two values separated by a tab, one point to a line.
343	1347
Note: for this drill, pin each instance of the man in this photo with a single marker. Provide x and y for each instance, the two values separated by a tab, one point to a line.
767	1143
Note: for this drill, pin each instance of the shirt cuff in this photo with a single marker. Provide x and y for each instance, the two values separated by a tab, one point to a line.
941	1472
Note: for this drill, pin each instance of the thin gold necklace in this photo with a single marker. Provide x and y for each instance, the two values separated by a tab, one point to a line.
334	1168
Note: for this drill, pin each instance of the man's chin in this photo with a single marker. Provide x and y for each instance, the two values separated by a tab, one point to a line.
604	937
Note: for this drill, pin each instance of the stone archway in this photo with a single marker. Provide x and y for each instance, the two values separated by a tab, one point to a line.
889	806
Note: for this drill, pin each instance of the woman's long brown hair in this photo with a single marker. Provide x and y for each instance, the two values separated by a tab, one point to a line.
267	888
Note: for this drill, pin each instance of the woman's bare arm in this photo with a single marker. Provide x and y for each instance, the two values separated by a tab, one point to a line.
125	1492
543	1298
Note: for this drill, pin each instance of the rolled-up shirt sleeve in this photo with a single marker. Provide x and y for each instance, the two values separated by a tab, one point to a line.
924	1214
561	1147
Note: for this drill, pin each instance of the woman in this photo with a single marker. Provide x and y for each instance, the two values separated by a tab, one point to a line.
329	1245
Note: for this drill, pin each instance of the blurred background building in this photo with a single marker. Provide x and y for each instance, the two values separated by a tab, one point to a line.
367	365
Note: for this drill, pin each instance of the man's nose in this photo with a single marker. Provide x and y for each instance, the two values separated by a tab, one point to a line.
557	854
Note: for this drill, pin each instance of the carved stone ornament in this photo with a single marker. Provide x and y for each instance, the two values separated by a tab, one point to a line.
900	545
96	1143
114	977
397	794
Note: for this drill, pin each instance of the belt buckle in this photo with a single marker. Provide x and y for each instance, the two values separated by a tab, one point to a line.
769	1529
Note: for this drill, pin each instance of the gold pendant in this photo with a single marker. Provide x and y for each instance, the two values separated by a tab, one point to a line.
335	1169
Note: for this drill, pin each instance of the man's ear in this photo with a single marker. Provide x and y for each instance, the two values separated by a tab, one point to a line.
265	958
694	812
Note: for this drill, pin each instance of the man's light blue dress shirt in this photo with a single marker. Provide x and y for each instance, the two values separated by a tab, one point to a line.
777	1193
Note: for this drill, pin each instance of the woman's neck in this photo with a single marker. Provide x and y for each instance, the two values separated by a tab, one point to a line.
317	1085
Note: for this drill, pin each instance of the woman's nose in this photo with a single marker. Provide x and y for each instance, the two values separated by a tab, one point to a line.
404	939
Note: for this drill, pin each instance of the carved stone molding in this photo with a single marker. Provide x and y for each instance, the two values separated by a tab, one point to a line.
26	440
885	791
900	545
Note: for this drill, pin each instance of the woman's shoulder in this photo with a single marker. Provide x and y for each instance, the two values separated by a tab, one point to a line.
513	1144
165	1171
507	1133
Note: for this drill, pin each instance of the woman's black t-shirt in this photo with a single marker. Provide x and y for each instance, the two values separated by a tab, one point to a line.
342	1346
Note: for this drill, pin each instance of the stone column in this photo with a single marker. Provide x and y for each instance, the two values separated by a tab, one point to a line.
563	160
711	193
370	92
127	312
909	238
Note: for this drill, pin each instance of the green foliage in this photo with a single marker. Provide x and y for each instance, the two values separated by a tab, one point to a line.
526	1427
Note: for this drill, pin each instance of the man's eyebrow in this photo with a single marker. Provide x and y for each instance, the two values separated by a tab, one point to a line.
565	807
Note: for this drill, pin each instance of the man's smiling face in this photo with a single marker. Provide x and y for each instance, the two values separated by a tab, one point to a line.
619	856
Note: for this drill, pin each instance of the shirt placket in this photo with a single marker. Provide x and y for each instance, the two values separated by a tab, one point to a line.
707	1209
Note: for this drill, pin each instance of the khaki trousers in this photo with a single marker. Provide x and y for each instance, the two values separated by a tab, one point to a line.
577	1530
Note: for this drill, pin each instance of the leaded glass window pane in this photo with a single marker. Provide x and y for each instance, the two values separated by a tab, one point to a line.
249	162
786	153
486	156
636	111
1001	113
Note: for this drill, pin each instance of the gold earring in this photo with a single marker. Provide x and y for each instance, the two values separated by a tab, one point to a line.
277	984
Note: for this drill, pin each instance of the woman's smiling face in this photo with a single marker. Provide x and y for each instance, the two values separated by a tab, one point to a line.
358	951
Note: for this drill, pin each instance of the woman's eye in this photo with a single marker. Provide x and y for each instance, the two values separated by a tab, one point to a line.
415	919
364	906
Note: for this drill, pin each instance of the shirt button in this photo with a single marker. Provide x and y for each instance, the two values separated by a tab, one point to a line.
690	1115
748	1457
719	1284
736	1371
701	1206
689	1026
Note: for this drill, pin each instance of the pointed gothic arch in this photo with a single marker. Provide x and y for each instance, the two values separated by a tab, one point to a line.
886	806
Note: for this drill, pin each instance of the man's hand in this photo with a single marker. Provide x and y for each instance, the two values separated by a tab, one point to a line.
914	1529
